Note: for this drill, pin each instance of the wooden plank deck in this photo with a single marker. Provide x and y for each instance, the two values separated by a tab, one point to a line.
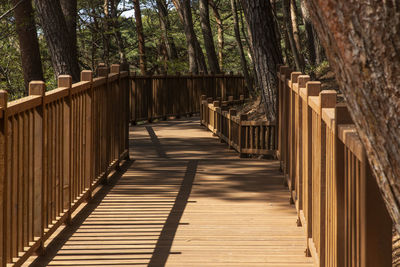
186	200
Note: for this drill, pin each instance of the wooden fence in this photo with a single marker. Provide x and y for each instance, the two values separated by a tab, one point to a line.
245	136
161	96
55	148
329	177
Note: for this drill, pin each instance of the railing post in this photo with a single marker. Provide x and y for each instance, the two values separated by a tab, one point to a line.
313	88
3	174
87	76
216	105
301	81
203	99
40	209
243	117
232	112
66	81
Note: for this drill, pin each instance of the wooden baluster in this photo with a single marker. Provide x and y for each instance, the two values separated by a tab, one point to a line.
3	175
242	135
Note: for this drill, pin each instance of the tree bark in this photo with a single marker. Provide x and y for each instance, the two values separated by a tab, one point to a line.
361	41
239	44
197	61
105	33
267	54
208	36
296	31
28	43
139	30
166	28
309	29
220	26
69	9
61	47
289	31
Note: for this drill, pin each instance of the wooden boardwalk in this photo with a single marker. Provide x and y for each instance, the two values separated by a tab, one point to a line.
185	200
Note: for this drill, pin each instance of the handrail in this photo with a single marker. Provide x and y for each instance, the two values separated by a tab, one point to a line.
329	178
55	149
241	134
161	96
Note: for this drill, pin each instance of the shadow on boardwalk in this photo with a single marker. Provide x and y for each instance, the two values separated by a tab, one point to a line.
185	201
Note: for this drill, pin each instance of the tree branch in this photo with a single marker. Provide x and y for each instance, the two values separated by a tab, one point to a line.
11	10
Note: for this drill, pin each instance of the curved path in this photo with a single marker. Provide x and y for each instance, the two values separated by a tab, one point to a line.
185	200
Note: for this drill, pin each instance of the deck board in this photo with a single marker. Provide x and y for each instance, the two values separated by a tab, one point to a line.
186	200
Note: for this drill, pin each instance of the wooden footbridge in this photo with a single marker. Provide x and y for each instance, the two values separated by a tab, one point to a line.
79	187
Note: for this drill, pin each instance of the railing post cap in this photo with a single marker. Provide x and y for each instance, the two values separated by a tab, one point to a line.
216	103
64	81
241	97
313	88
87	75
302	80
37	88
102	71
115	68
230	98
210	100
3	99
328	98
203	97
342	114
294	76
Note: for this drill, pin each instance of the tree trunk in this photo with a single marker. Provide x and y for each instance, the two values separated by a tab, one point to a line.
28	43
59	42
166	28
309	34
267	54
208	36
220	27
296	31
243	61
361	42
197	61
139	30
289	31
69	9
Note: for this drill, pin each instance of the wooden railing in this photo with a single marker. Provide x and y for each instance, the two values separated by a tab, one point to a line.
245	136
329	177
55	148
162	96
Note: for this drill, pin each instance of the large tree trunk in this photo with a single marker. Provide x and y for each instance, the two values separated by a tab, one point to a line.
69	9
166	28
309	34
28	42
220	28
197	61
296	31
362	43
267	54
239	44
208	36
61	47
139	30
289	30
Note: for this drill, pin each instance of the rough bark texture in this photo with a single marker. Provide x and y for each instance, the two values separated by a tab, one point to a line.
106	32
69	9
63	55
208	36
139	30
362	43
296	31
309	34
289	30
197	61
166	28
267	54
243	61
220	28
28	42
